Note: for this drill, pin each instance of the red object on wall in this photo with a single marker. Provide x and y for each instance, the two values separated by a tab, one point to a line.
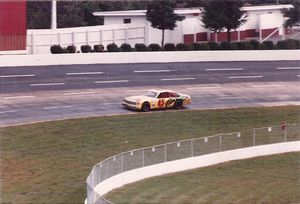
12	25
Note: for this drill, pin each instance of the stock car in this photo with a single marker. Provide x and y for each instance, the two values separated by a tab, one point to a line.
156	99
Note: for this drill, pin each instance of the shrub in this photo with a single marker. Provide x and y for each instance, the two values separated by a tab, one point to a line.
181	47
244	46
71	49
154	47
85	48
281	44
98	48
262	46
126	47
269	45
225	45
297	42
213	46
65	50
112	47
169	47
140	47
200	46
291	44
56	49
254	44
233	46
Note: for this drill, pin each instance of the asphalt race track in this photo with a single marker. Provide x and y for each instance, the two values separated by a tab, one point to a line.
41	93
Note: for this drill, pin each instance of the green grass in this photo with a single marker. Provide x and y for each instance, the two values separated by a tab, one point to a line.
49	162
271	179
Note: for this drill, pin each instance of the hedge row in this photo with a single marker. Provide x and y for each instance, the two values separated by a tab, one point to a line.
140	47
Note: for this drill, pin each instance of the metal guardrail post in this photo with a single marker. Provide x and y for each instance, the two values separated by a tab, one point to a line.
220	143
285	133
254	137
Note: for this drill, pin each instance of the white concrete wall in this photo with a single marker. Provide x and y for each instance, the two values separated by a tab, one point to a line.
192	163
40	41
147	57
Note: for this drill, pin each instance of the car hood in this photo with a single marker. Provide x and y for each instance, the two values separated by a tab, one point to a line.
138	98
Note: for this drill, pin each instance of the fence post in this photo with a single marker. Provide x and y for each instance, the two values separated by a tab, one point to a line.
285	133
122	168
254	137
143	157
165	152
192	148
220	144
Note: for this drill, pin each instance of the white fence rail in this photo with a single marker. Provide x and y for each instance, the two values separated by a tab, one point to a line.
166	153
40	41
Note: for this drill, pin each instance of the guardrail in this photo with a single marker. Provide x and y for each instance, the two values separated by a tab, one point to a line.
148	156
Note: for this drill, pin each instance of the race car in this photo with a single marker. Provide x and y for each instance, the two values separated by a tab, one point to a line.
156	99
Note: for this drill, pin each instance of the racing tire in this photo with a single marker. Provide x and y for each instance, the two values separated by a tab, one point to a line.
145	107
178	104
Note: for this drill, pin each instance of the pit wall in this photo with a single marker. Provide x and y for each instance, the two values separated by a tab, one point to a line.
192	163
147	57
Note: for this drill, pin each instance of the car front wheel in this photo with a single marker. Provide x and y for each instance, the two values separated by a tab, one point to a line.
178	104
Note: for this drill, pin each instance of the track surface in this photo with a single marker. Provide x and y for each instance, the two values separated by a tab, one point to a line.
31	94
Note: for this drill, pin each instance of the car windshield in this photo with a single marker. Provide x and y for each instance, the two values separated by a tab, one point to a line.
151	94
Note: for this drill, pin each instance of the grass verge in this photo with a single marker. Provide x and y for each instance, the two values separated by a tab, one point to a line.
49	162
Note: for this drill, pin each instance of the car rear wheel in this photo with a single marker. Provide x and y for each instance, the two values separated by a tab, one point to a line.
178	104
145	107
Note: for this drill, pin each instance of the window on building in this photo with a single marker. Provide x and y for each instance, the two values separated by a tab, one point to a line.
126	20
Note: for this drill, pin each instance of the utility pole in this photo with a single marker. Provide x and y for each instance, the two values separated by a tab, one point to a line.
53	15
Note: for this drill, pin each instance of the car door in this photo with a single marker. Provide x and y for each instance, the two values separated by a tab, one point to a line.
171	99
162	98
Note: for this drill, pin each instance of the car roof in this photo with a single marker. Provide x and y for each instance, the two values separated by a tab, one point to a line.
161	90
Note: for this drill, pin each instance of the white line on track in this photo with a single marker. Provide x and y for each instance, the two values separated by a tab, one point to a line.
79	93
18	97
15	76
116	81
84	73
231	97
9	111
225	69
268	85
203	87
48	84
153	71
288	68
177	79
119	103
244	77
51	107
56	107
132	90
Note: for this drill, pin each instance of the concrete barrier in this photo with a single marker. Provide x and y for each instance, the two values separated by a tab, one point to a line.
192	163
147	57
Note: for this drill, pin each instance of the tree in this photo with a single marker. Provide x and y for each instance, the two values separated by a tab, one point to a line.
160	14
220	14
293	15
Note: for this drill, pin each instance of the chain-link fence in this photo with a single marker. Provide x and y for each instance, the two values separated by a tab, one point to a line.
183	149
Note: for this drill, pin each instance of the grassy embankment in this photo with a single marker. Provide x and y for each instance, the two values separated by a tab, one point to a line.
49	162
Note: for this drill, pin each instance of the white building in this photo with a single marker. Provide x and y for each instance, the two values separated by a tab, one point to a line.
132	27
261	22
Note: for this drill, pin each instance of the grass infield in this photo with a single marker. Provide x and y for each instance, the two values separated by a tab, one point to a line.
49	162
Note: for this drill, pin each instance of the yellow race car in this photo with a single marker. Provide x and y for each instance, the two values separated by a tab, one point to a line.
156	99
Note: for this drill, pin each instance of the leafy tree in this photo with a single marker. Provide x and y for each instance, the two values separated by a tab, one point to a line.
160	14
38	14
220	14
293	15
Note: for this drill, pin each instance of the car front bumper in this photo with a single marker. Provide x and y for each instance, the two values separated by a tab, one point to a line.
130	106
